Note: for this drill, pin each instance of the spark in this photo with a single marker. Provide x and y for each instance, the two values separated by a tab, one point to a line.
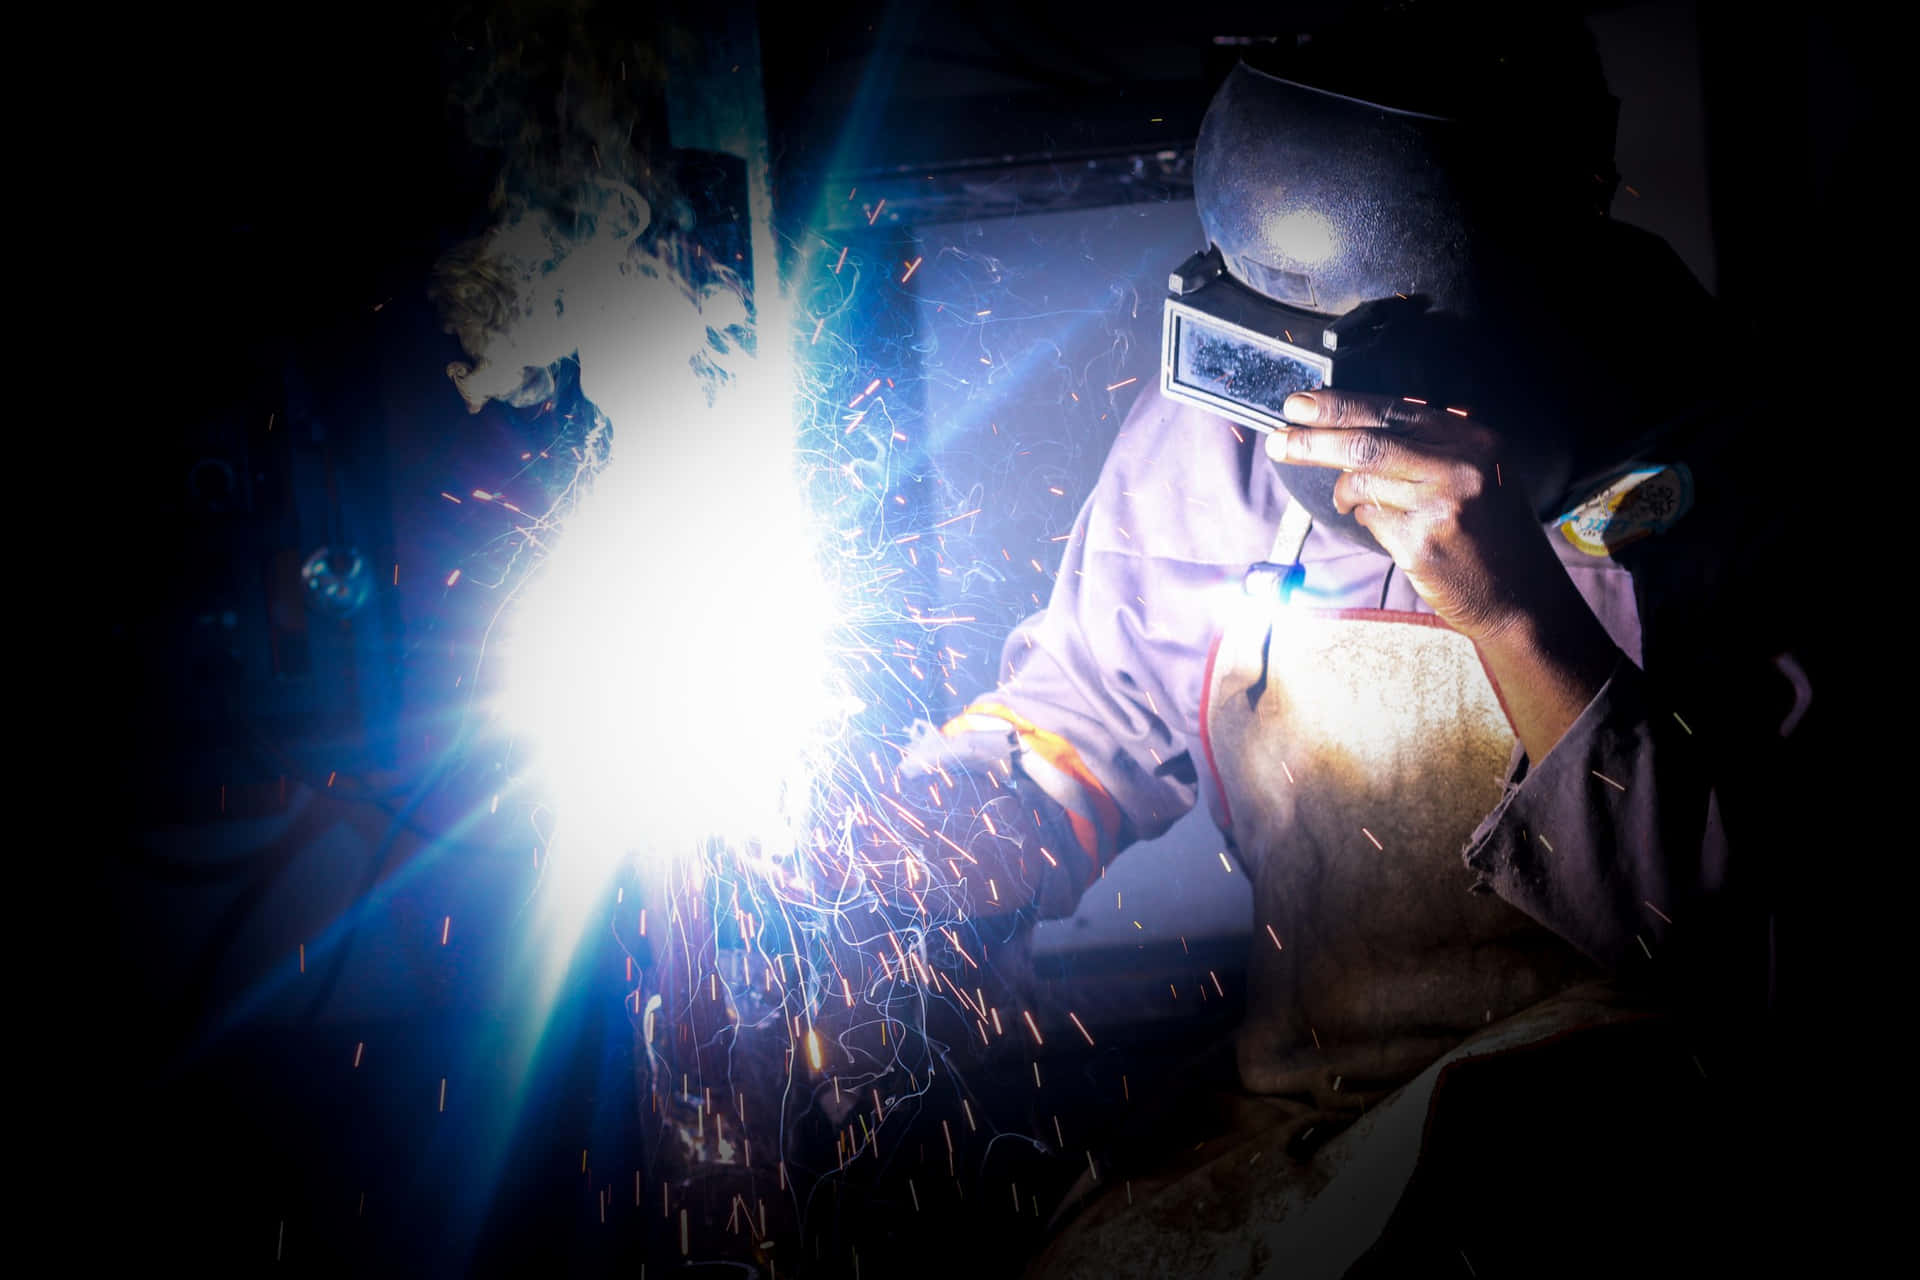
1609	781
623	710
1376	842
1276	939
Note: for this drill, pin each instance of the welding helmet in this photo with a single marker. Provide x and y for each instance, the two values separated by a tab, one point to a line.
1354	243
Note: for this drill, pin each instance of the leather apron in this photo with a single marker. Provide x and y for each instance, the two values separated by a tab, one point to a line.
1354	751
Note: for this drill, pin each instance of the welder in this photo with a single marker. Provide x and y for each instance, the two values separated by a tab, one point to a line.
1439	565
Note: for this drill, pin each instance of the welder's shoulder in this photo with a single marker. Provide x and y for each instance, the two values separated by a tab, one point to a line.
1183	483
1164	438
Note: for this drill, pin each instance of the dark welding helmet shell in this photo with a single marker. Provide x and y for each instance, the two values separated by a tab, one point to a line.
1323	202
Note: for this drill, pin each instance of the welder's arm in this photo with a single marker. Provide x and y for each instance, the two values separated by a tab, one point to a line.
1612	832
1099	693
994	843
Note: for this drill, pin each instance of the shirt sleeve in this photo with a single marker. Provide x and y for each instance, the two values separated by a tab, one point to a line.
1101	691
1590	841
1647	835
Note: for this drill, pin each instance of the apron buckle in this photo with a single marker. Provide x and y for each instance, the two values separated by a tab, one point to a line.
1265	579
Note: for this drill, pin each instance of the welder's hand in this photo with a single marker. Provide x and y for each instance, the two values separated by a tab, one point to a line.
1427	483
952	847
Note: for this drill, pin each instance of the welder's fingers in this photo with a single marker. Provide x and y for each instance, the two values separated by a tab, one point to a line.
1370	488
1327	407
1450	429
1370	449
1391	527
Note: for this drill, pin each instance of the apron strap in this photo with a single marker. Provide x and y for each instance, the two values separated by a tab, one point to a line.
1296	522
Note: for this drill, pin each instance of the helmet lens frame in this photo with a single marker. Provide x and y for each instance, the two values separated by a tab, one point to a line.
1214	359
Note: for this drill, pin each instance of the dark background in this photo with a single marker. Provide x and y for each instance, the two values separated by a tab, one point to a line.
280	184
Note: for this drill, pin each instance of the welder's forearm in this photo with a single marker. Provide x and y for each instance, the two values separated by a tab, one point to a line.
1548	667
957	850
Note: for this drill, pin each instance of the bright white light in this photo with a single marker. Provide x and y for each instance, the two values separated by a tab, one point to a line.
666	664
